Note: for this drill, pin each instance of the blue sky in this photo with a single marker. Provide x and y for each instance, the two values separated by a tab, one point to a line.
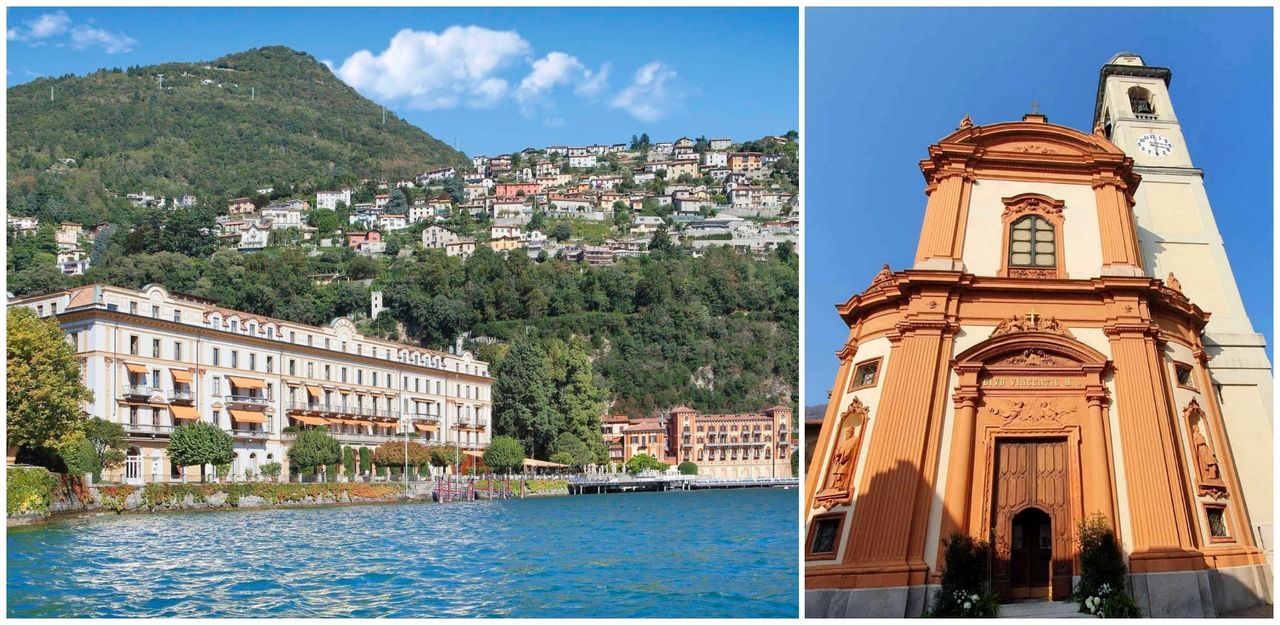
884	84
493	79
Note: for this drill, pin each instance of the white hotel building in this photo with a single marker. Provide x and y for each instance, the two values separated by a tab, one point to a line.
155	360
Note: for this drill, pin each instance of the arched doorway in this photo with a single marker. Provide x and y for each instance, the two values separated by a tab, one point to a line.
1030	554
133	466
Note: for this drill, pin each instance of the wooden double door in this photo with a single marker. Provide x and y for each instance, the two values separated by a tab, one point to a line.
1031	519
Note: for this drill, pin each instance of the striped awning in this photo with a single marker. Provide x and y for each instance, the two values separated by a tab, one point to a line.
315	391
181	376
248	416
426	427
135	368
246	382
185	412
305	420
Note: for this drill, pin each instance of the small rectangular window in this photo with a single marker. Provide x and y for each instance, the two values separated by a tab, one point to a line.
177	315
865	374
1217	521
177	350
1183	374
155	312
824	535
155	348
215	359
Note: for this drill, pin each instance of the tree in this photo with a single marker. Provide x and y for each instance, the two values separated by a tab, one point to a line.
578	398
504	454
313	448
644	462
443	456
44	391
392	454
795	465
522	392
348	461
562	457
660	243
567	445
366	460
271	470
453	187
562	232
200	443
688	468
77	454
107	440
397	204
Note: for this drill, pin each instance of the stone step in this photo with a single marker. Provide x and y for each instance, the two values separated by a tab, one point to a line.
1042	609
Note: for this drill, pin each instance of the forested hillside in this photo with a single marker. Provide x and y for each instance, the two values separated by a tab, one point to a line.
265	117
719	332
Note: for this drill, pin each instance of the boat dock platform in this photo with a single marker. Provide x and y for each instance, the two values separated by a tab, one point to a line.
628	484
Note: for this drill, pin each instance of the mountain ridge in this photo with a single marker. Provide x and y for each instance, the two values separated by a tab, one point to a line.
261	117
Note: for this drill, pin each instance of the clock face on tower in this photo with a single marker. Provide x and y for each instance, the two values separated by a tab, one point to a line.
1153	144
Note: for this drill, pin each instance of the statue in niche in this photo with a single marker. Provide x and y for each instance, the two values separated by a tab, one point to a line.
1205	458
838	484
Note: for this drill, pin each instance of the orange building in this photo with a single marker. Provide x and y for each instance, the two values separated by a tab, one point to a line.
1033	367
742	446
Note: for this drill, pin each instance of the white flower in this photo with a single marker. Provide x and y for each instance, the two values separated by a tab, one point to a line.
973	597
967	605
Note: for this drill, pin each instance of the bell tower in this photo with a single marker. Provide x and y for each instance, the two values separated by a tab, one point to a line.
1180	243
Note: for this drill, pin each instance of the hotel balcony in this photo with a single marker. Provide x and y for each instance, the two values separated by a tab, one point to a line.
146	430
348	437
343	410
246	400
180	397
249	434
137	392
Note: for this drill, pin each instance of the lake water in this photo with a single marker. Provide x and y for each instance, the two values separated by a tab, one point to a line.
677	554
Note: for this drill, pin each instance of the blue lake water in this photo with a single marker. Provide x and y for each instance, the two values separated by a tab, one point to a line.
678	554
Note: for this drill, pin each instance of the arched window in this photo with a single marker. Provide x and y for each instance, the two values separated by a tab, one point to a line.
1032	243
1140	103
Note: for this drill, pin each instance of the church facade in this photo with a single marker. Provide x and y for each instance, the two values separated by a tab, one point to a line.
1068	342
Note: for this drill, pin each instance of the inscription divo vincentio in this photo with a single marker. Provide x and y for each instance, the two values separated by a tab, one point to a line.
1032	383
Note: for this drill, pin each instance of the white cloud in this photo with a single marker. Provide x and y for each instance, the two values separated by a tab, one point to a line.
438	70
651	94
85	37
38	31
47	25
557	69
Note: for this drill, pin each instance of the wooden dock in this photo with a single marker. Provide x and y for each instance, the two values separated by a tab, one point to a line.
628	484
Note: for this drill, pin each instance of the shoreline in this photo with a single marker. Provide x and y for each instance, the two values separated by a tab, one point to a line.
217	501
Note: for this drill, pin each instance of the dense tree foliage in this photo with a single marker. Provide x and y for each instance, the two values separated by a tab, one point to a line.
522	394
200	443
504	454
314	447
392	454
268	117
43	389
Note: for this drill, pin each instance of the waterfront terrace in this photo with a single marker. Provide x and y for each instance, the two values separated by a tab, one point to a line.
155	360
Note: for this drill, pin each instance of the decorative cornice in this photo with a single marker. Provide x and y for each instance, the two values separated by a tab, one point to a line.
1031	203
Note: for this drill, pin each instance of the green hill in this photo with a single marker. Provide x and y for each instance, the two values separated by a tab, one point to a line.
266	117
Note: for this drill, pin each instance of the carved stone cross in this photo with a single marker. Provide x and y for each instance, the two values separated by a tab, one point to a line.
1035	107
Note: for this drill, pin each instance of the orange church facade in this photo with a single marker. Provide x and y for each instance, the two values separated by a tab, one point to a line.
1026	372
